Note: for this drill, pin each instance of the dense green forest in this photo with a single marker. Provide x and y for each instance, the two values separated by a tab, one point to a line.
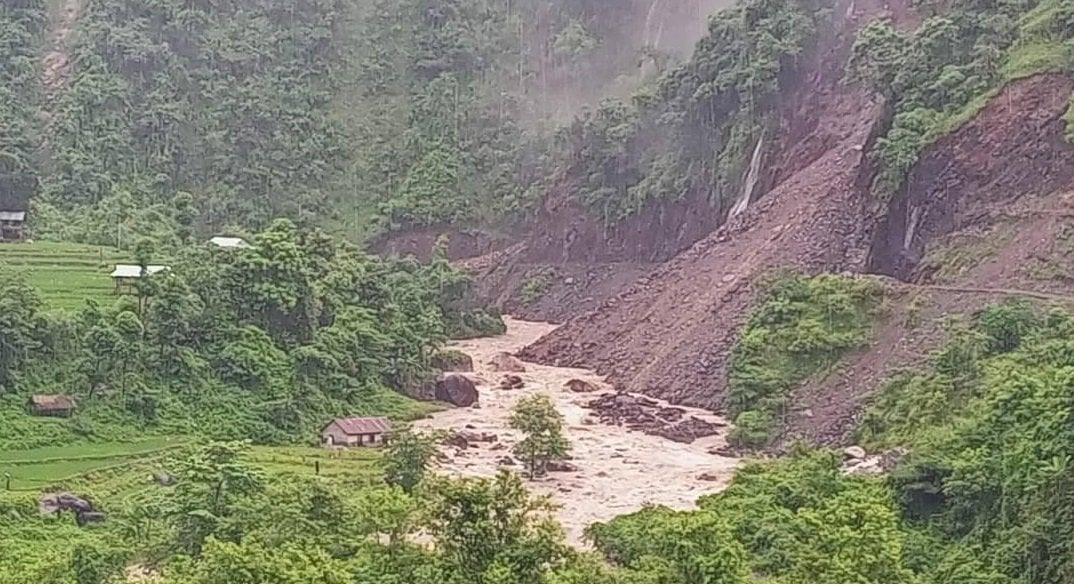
357	116
21	26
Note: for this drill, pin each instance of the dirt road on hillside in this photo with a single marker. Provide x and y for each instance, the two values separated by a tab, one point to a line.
619	470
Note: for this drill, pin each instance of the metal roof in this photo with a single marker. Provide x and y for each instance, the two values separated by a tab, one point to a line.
12	215
53	402
353	426
229	242
134	271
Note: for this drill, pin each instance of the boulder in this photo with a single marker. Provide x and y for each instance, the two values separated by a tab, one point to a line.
580	386
560	466
472	437
708	477
54	502
854	453
506	461
85	517
507	363
164	479
511	382
457	440
450	360
456	389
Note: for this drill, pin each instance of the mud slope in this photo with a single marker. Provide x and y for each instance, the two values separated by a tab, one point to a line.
988	212
1013	148
670	334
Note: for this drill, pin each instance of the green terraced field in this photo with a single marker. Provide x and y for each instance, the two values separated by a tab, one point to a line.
116	469
65	274
59	466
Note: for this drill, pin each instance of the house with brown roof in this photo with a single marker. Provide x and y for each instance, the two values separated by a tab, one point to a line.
356	431
60	406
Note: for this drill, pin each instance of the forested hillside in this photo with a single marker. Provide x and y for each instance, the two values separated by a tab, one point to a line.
363	117
262	344
21	27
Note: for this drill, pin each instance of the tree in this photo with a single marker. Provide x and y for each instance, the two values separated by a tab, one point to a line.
542	428
97	564
493	530
19	306
407	458
212	481
877	57
184	215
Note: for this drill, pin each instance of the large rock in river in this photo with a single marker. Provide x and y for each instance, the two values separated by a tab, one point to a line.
452	360
507	363
456	389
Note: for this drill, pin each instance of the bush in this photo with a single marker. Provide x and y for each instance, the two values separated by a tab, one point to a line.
801	326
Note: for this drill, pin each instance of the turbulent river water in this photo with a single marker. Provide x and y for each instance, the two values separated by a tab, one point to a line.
620	470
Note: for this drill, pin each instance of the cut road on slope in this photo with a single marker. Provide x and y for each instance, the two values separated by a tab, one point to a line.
620	470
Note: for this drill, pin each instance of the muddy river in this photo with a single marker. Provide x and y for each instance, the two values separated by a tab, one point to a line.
619	470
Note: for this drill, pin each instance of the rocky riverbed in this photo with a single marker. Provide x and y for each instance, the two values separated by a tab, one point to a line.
627	450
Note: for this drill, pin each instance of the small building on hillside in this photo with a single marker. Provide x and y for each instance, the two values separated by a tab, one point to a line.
12	225
125	275
59	406
356	432
229	242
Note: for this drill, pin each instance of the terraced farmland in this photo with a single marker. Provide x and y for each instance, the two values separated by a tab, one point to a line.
65	274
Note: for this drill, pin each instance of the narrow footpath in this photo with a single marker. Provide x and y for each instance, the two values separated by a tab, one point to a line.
619	470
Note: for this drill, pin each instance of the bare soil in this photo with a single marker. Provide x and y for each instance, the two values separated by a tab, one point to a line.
620	470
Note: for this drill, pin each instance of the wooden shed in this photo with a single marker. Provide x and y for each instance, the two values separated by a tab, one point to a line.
12	225
356	431
60	406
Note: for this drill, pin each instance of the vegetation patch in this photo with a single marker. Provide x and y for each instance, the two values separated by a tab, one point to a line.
536	286
940	75
693	131
801	326
65	274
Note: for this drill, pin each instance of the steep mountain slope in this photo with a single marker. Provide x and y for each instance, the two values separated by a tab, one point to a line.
996	183
987	213
670	334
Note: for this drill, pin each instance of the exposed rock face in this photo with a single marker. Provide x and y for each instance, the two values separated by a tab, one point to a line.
646	415
452	361
507	363
580	386
456	389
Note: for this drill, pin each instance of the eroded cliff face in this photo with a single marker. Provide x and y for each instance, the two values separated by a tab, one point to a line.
985	211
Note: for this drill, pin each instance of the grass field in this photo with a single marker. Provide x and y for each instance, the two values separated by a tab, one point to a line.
115	469
65	274
57	466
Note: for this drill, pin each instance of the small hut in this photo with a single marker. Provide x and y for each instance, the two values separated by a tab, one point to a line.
356	432
229	242
59	406
125	276
12	225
